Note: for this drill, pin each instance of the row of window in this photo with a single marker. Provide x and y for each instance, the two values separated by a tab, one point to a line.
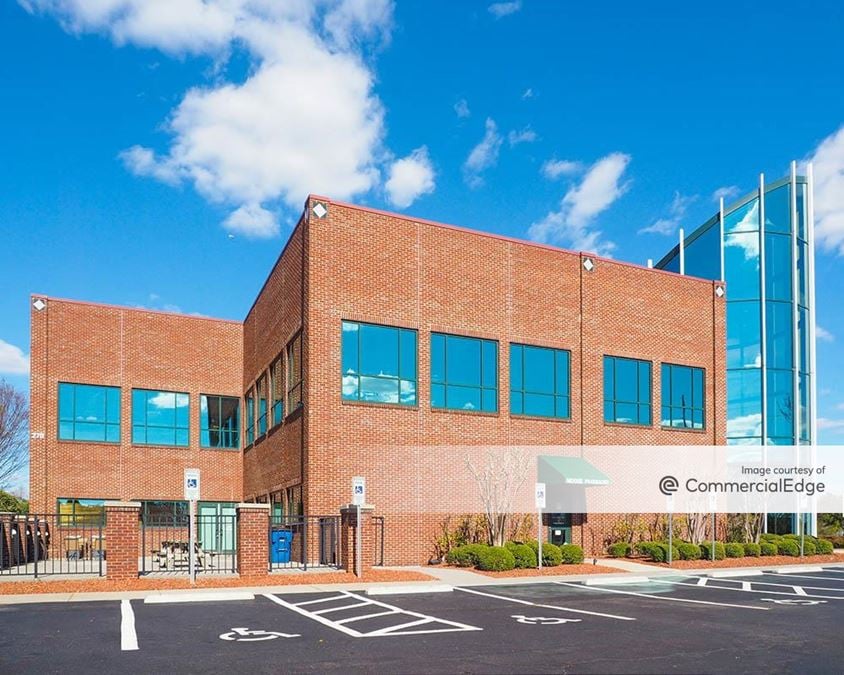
92	413
379	365
155	513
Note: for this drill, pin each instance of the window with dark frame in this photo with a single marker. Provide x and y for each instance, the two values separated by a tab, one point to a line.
219	422
80	512
464	373
88	412
165	513
540	382
250	417
683	396
628	391
261	400
277	393
160	418
294	373
378	363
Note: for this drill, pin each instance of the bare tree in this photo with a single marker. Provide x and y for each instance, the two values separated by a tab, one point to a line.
499	480
14	416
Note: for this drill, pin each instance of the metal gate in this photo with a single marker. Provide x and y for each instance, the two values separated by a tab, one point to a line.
43	544
165	543
302	542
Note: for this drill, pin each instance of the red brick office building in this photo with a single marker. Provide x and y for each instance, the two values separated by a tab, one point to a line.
350	347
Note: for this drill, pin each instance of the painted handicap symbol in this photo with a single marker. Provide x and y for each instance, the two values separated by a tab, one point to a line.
246	635
799	602
542	620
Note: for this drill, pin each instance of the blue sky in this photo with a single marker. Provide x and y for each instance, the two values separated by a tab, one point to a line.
156	155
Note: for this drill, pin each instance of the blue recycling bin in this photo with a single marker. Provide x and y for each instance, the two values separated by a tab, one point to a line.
280	541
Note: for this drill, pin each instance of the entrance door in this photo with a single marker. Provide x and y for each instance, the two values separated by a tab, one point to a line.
217	521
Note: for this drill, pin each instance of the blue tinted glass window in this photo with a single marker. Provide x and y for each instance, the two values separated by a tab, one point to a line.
804	382
802	273
539	381
743	219
703	255
741	265
778	210
89	413
801	211
777	267
250	417
627	391
379	363
218	422
261	397
464	373
781	404
744	403
159	417
803	337
779	326
744	335
683	396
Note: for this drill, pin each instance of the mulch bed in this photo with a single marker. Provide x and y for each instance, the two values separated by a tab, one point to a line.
763	561
146	584
559	570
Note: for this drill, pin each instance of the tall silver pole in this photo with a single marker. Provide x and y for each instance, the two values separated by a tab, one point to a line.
539	537
813	366
358	547
721	230
192	540
682	252
763	333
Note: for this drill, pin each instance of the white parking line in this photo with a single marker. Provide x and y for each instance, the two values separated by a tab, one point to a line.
537	604
740	590
661	597
806	576
398	629
128	636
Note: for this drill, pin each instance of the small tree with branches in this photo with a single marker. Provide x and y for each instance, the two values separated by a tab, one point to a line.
14	417
499	479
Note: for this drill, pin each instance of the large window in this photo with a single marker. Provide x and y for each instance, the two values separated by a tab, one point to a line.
250	417
78	512
219	423
540	381
165	513
682	396
294	373
378	363
89	413
261	398
464	373
627	391
277	390
160	417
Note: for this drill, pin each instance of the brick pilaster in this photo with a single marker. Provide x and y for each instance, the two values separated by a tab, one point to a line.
122	533
253	545
348	538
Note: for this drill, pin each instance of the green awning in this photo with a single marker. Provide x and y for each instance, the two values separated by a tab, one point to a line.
569	470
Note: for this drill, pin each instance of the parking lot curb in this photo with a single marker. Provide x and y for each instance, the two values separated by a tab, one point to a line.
797	569
407	589
726	574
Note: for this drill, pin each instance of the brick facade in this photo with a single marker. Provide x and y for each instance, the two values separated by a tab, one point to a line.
122	532
359	264
253	553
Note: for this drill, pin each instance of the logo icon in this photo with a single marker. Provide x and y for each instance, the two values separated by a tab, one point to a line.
668	485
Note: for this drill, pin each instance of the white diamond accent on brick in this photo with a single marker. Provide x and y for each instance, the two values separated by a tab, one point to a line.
588	265
320	210
39	304
719	291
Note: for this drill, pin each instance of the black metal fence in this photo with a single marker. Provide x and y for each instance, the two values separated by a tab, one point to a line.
379	526
303	542
44	544
165	544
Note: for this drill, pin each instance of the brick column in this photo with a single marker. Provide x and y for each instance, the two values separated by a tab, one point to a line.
348	538
253	540
122	540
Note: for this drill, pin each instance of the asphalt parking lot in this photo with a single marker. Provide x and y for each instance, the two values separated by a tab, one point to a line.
679	623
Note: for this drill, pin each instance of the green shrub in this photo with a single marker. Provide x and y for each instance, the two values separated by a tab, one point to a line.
619	550
824	547
770	538
645	548
551	555
751	549
495	559
466	555
689	551
523	554
767	548
809	547
533	544
675	553
788	547
571	554
706	550
734	550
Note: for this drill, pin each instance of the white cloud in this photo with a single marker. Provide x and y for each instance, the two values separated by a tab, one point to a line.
528	93
410	178
483	156
823	334
526	135
676	212
252	220
554	168
727	192
12	360
501	9
825	423
461	108
828	161
597	191
306	119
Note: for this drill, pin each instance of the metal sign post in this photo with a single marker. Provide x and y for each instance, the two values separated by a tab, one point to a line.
540	504
192	491
712	506
358	499
670	501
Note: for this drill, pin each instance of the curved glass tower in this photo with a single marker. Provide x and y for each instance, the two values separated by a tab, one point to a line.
763	246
